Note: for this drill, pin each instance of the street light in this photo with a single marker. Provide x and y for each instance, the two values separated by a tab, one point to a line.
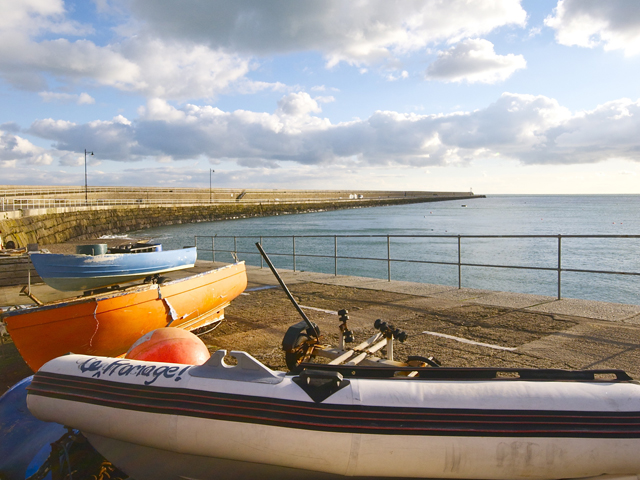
85	175
211	170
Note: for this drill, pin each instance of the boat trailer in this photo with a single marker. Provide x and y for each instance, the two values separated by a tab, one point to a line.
303	341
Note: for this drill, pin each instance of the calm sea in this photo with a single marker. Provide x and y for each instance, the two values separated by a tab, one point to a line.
496	215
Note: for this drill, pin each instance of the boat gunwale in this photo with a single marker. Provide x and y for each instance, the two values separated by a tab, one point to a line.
87	257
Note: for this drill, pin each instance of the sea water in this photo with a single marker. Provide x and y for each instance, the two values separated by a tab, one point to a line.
424	228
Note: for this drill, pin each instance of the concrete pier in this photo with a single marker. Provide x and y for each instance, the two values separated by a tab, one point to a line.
47	215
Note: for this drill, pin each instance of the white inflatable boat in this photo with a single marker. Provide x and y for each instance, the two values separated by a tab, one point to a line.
171	421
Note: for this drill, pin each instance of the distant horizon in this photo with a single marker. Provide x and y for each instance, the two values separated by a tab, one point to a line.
539	96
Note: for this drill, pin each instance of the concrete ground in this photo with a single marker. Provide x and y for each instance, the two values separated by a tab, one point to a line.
460	327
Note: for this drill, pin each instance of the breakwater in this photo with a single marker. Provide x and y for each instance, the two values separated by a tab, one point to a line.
108	212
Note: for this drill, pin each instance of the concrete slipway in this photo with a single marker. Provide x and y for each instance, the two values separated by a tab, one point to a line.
460	327
466	327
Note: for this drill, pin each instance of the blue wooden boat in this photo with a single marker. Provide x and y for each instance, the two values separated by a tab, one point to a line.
88	272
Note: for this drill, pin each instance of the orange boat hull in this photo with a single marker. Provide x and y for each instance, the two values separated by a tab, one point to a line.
107	325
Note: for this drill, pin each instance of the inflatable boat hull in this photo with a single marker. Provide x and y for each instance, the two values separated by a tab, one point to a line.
168	421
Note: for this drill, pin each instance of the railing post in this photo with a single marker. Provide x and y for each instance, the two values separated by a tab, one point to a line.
459	265
388	258
559	267
235	248
213	248
261	260
294	253
335	255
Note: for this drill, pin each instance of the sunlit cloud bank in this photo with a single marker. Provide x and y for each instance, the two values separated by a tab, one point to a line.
473	61
14	149
529	129
589	23
150	65
192	49
315	93
358	33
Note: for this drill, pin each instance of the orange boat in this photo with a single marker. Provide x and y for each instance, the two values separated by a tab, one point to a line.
108	324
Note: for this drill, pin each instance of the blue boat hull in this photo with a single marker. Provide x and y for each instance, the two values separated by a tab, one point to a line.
23	436
87	272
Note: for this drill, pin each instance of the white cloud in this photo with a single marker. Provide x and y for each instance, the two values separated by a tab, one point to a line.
149	66
606	132
194	49
81	99
360	32
530	129
71	159
14	148
325	99
85	99
474	60
8	164
37	16
34	52
179	70
589	23
108	139
298	104
11	127
535	31
391	77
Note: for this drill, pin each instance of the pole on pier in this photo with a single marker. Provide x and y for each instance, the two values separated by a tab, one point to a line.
85	176
211	171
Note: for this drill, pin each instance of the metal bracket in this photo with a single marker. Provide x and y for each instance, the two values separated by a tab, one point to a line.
248	369
319	384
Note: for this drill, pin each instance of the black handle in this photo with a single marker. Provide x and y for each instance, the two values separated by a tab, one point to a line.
312	326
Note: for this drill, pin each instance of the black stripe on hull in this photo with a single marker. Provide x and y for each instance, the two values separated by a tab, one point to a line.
338	418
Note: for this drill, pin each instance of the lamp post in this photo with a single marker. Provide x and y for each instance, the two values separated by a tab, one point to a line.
85	175
211	170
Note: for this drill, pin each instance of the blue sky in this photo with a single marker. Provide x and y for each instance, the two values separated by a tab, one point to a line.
507	96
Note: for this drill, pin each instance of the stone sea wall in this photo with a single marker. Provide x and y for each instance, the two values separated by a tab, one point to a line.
56	225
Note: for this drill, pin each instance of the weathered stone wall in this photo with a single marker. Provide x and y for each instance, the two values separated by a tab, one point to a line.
91	222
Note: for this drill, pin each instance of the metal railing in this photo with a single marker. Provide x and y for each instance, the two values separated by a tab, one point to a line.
80	190
7	204
50	190
294	254
13	203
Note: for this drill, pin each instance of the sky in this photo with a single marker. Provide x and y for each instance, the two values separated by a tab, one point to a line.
493	96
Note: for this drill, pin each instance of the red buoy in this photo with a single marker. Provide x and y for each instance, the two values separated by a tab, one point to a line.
171	345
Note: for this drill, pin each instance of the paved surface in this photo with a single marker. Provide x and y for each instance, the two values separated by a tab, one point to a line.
460	327
586	309
503	329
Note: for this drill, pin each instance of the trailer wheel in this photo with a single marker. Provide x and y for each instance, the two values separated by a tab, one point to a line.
419	361
298	353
